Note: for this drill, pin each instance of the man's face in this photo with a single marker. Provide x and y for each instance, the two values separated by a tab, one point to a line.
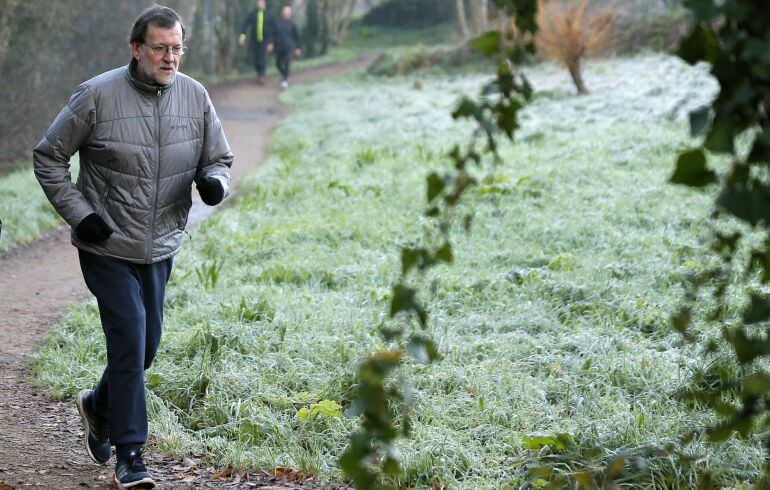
286	13
261	4
153	67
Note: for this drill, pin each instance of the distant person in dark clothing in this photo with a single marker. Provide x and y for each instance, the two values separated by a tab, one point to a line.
258	29
286	38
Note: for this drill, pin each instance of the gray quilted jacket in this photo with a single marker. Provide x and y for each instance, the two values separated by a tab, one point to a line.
141	147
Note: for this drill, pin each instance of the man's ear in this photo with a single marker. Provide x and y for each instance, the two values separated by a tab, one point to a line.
135	50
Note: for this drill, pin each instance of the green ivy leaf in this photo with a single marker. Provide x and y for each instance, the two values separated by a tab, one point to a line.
538	442
390	466
405	300
467	222
558	442
757	384
698	46
487	44
353	461
699	121
747	348
422	349
704	10
745	198
303	413
691	170
444	254
760	259
391	333
466	108
435	186
721	432
720	138
507	116
760	149
525	87
758	310
409	258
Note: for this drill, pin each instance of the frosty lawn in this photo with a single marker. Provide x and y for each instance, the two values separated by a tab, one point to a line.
554	318
26	212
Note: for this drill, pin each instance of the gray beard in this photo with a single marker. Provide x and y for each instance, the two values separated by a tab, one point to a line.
149	79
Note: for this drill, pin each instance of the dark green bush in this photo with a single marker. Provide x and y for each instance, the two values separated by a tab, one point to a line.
421	58
659	31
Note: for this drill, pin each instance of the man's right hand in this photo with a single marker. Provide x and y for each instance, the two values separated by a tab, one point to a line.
269	48
241	41
93	229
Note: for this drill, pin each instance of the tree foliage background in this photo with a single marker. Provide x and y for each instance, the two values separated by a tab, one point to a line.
48	48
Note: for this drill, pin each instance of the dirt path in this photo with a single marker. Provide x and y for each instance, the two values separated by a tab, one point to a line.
40	441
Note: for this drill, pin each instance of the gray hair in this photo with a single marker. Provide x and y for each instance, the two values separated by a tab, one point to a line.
156	15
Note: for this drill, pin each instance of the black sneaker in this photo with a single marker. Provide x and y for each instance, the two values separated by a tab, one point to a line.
95	439
131	473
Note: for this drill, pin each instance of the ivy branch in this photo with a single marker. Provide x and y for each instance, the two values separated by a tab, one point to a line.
732	35
371	459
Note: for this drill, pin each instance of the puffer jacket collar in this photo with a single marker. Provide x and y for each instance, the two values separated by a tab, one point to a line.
140	85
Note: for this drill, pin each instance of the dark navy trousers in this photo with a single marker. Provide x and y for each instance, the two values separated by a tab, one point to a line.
130	298
260	57
283	62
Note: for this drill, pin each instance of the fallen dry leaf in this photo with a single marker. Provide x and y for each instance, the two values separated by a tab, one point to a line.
223	474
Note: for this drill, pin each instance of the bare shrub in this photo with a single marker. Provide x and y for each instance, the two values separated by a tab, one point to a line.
568	31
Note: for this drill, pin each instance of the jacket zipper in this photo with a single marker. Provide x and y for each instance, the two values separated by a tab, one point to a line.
156	177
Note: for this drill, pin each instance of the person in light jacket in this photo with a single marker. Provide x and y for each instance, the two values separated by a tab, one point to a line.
145	133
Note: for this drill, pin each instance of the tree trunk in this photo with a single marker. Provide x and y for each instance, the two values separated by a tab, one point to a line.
480	11
484	16
345	24
460	4
186	11
577	77
6	26
505	23
325	26
211	39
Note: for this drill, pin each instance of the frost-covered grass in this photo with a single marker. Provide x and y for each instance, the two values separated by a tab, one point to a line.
24	210
553	319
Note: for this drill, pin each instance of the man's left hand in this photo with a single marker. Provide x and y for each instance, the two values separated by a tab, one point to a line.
212	190
297	52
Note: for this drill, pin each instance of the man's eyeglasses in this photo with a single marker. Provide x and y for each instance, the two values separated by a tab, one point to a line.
161	50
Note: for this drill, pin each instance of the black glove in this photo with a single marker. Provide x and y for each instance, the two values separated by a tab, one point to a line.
211	190
93	229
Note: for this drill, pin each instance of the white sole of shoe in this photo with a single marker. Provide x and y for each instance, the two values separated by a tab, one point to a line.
143	483
86	430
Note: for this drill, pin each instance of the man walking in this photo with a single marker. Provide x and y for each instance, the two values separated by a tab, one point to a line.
145	133
258	29
286	37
